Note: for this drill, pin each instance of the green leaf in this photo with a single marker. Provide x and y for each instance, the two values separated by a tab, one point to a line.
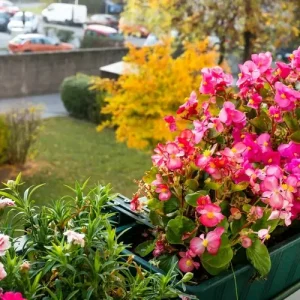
192	184
150	175
170	205
167	262
295	137
210	185
213	133
246	207
264	223
191	199
155	218
177	227
290	121
155	204
214	264
145	248
239	187
259	256
261	123
236	225
298	113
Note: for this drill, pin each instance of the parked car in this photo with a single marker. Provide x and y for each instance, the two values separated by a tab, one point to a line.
103	19
133	29
96	36
8	7
4	20
65	13
36	43
23	22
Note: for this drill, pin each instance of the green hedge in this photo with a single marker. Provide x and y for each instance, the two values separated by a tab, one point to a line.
80	101
4	133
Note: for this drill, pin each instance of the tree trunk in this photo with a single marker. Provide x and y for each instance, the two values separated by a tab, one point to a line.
248	45
222	51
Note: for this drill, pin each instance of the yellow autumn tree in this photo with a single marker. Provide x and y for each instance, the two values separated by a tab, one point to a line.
158	85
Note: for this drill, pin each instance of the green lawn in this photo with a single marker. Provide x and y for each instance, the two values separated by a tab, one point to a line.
69	150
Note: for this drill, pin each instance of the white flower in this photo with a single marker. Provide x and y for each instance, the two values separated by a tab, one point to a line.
4	243
6	202
75	238
2	272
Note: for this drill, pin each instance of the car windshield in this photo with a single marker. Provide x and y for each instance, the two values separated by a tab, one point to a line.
116	35
19	40
4	15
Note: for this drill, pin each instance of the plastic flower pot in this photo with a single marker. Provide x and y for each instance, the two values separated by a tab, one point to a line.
282	280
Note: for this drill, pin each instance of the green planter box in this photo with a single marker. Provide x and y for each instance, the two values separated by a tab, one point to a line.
280	283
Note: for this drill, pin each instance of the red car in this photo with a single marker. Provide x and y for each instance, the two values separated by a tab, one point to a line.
36	43
8	7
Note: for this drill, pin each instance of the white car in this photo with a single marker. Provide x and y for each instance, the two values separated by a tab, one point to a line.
23	22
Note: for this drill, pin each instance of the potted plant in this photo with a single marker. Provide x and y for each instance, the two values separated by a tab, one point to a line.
227	187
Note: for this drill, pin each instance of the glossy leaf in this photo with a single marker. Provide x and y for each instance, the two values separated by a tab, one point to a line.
191	199
145	248
295	137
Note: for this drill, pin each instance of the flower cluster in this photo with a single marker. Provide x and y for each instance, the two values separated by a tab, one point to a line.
233	175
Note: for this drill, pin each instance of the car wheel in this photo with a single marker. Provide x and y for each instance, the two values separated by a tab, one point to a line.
27	51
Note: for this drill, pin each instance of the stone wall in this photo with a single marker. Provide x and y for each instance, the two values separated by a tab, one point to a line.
43	73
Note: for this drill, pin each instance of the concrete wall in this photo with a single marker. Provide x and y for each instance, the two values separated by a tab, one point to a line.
42	73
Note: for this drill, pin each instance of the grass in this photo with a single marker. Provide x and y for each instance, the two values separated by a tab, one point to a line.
35	9
70	150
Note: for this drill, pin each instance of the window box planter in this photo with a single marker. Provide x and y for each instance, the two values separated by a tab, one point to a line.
282	280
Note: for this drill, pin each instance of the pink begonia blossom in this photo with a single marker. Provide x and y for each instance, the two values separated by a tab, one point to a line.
283	70
186	263
4	244
75	237
294	166
249	73
284	215
211	242
189	107
290	150
135	204
295	209
264	234
274	170
203	159
229	115
158	158
255	101
246	241
216	124
235	152
12	296
214	79
295	59
161	188
185	141
171	122
271	192
4	202
285	97
200	129
271	158
159	248
2	272
275	113
174	154
264	142
202	201
262	60
211	215
257	212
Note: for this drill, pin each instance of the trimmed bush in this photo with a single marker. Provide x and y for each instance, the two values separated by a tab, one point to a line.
3	140
80	101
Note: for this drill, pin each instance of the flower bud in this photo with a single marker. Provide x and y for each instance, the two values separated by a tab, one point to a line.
25	267
11	184
246	241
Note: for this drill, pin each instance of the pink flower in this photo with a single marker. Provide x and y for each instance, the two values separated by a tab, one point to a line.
262	60
257	212
200	128
276	114
135	204
295	59
158	158
211	242
246	241
272	192
12	296
255	101
235	152
211	215
75	238
231	116
214	79
283	70
6	202
171	122
163	191
186	263
159	248
249	73
2	272
264	234
4	244
284	215
294	166
202	201
174	154
290	150
264	142
217	124
190	107
285	97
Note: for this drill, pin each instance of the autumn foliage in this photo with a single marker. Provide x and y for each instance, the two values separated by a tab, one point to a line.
140	99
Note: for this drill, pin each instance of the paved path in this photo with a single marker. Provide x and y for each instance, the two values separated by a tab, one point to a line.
52	104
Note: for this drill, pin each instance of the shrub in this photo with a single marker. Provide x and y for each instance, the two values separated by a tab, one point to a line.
22	125
72	251
228	185
80	100
3	140
140	99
